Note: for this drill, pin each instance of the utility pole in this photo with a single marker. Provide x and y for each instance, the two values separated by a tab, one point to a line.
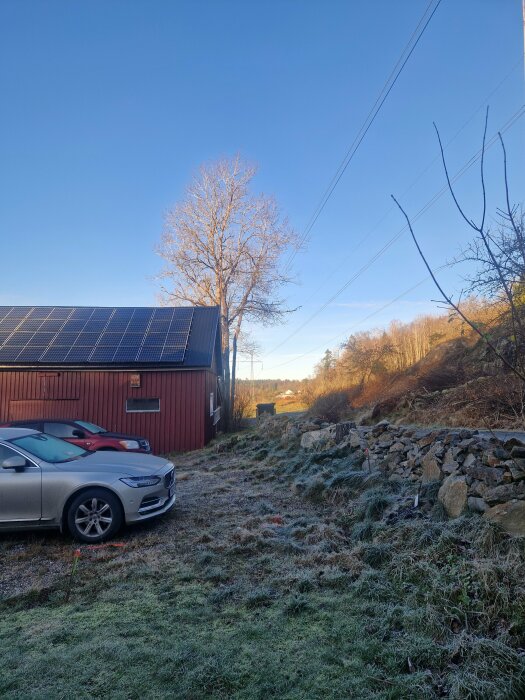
251	360
251	353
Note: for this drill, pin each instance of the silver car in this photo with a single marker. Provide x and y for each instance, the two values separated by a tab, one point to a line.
46	482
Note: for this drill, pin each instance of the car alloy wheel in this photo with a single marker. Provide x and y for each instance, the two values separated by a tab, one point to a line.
94	516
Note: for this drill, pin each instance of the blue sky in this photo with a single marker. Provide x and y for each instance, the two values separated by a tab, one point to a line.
109	106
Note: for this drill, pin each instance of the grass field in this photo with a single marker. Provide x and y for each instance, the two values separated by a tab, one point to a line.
248	591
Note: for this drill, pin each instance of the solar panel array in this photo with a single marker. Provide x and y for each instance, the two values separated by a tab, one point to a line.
93	335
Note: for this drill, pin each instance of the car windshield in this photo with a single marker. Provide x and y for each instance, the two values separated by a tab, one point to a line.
91	427
49	448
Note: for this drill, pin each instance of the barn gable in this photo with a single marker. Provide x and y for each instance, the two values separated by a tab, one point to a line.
153	372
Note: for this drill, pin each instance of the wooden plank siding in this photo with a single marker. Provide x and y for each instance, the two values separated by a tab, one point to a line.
182	424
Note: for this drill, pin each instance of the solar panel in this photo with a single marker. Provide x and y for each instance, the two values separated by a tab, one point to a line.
30	353
176	338
55	354
137	326
150	355
82	312
61	312
21	339
155	339
104	353
41	339
64	339
116	326
102	314
110	339
52	325
40	312
19	314
87	340
165	312
4	310
30	325
90	335
160	326
143	313
9	353
132	339
74	325
172	354
125	354
122	314
79	354
9	324
94	326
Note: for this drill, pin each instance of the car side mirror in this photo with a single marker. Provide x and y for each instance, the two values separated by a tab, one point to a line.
79	434
17	463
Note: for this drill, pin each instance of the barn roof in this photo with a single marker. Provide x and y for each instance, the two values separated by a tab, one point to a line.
94	336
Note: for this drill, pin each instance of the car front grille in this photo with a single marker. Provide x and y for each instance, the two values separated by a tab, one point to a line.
169	478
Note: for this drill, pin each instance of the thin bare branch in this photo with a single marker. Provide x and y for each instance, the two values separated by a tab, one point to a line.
449	301
224	246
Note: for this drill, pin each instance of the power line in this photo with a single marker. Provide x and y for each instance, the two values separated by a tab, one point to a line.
413	183
517	115
371	117
363	320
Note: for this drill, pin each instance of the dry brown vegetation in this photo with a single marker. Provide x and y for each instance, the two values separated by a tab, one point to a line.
434	369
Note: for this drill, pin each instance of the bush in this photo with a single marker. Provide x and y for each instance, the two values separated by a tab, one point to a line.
241	405
332	407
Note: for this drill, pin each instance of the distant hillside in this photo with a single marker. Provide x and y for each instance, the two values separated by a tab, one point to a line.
456	380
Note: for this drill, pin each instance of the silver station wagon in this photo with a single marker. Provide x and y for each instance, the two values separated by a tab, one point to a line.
46	482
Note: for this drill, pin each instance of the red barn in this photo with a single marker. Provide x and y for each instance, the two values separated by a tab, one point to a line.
154	372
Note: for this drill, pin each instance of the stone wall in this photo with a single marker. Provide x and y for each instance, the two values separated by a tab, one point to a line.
477	471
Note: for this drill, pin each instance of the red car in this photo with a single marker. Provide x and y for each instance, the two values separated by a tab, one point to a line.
84	434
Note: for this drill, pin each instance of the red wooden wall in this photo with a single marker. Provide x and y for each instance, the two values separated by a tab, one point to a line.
183	422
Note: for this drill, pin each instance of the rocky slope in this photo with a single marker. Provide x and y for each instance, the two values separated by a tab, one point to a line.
470	471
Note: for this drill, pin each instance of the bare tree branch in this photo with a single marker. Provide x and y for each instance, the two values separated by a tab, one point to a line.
224	246
449	301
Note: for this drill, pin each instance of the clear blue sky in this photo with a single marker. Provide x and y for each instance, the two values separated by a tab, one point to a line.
107	107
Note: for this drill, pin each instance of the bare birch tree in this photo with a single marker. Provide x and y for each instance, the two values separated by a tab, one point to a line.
500	257
224	246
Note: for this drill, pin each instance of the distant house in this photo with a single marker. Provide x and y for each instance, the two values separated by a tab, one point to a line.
285	394
154	372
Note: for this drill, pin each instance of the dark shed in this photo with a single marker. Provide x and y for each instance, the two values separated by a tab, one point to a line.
154	372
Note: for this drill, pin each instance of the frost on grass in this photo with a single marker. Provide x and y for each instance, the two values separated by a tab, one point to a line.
267	591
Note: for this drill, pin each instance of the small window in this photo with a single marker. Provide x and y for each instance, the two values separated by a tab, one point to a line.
142	405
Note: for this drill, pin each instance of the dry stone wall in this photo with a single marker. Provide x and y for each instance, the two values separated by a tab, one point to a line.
477	471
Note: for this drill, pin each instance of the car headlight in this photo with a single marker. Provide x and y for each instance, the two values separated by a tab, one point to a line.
138	482
129	444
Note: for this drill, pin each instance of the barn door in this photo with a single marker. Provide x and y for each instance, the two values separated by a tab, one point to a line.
27	409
